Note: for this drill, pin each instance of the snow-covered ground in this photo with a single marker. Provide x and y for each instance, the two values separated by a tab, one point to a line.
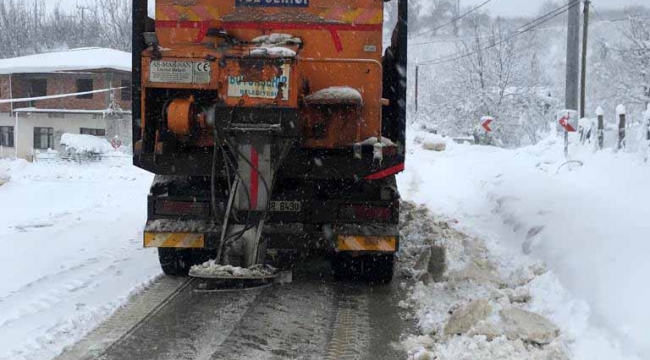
71	236
574	238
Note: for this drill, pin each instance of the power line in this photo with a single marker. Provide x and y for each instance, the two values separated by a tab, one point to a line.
533	24
455	39
450	21
518	32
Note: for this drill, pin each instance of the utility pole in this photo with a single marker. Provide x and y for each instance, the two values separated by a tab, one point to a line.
83	20
583	80
573	56
417	86
572	63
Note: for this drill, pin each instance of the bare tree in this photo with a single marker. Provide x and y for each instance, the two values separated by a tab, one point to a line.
114	18
621	67
499	76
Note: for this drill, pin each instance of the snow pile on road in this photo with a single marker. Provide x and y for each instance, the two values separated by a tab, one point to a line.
336	93
72	250
569	238
432	142
7	167
213	269
465	309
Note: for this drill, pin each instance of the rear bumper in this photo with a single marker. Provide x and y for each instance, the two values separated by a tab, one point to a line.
383	238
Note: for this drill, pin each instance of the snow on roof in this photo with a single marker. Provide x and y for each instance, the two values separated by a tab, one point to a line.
71	60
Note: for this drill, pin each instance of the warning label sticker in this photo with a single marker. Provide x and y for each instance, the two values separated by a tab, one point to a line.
180	72
238	86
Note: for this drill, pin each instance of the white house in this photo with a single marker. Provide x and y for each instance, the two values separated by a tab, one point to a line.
79	91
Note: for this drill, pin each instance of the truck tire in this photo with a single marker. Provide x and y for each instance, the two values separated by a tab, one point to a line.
371	268
177	262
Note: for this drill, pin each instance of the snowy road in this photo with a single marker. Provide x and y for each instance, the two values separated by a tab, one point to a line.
522	232
314	317
71	239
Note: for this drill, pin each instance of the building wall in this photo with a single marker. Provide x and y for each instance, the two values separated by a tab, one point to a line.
66	83
4	92
71	123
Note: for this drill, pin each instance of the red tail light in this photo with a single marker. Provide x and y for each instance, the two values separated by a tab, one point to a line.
186	208
365	213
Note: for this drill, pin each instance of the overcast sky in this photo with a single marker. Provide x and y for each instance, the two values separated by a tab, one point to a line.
496	7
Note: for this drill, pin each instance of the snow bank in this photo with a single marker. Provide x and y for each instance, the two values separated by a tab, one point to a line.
588	224
85	144
66	266
336	93
8	166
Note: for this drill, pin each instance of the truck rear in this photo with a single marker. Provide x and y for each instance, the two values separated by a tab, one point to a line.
273	127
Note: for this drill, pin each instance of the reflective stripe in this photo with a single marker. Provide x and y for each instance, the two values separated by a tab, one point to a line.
367	243
174	240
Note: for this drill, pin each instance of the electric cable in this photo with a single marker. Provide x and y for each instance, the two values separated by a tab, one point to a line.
537	22
451	21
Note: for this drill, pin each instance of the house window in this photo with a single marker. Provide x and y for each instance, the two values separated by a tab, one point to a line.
85	85
7	136
126	91
43	138
93	132
37	88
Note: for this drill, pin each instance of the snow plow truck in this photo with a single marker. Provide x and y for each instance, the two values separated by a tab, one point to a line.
273	127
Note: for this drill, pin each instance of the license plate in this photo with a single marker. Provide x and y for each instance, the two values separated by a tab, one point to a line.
285	206
180	72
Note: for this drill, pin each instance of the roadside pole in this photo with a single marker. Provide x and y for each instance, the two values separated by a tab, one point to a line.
600	113
585	39
622	123
417	87
16	136
572	64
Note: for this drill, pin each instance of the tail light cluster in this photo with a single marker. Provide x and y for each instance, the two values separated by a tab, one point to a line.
365	213
182	208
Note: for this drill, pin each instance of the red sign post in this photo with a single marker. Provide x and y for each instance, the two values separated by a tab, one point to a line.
116	143
566	124
485	123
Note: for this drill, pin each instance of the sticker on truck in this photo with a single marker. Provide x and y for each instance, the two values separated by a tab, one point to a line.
238	86
180	72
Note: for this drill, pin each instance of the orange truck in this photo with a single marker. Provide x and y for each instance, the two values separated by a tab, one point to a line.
274	127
